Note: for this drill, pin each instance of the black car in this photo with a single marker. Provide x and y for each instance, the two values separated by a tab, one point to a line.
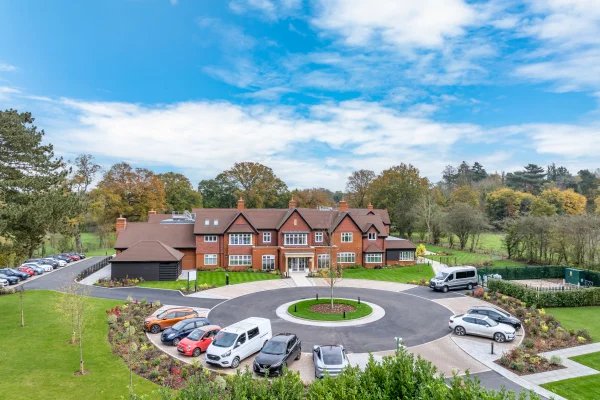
14	272
181	329
62	257
502	317
12	280
277	353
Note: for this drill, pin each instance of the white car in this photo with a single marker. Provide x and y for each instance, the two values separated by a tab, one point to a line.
45	267
471	324
3	283
329	360
61	263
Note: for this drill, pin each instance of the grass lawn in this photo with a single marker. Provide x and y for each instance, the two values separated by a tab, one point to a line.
579	318
491	242
397	274
303	310
90	242
212	278
584	388
37	361
591	360
463	257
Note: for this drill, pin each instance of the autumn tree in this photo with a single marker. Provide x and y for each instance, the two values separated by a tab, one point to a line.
565	201
34	195
357	187
218	192
397	189
130	192
257	184
313	197
179	193
466	222
507	203
465	194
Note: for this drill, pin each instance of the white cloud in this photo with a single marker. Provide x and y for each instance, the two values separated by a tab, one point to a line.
270	9
5	67
566	140
401	24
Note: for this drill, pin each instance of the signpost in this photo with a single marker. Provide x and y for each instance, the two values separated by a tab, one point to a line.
192	276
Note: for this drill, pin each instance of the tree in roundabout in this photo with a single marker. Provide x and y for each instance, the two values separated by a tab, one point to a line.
333	309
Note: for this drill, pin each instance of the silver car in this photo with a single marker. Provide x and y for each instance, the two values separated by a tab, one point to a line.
329	360
3	282
474	324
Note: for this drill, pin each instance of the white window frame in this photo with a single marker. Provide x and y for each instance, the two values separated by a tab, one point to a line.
406	256
322	261
243	260
266	237
211	257
346	257
347	237
210	239
240	239
318	237
372	235
373	258
295	239
271	262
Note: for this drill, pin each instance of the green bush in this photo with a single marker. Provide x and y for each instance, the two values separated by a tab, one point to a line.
567	298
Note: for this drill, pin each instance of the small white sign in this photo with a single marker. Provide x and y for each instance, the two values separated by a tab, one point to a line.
191	275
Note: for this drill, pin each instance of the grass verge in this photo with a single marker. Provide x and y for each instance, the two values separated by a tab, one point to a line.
579	318
211	278
463	257
38	362
303	310
396	274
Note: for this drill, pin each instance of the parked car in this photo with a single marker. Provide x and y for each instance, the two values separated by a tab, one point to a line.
38	270
14	272
10	279
180	330
167	318
330	360
497	315
239	341
46	261
45	267
479	325
50	261
28	270
198	340
3	282
454	278
62	257
277	353
60	261
81	256
71	257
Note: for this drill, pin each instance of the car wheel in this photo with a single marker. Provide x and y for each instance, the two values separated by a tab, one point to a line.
175	341
460	331
445	289
196	352
154	329
499	337
298	356
235	363
470	286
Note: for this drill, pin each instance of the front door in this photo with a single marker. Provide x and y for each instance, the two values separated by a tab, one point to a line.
297	264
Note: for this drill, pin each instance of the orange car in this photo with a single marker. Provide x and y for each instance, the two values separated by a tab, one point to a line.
167	318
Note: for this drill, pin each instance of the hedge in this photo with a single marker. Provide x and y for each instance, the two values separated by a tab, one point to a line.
536	272
567	298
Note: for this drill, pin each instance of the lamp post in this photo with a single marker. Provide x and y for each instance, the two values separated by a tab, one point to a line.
399	344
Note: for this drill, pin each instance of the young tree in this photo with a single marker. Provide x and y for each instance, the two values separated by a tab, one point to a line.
358	186
179	193
333	273
73	305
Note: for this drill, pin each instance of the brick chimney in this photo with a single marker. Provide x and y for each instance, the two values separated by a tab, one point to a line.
343	206
292	203
121	224
370	207
240	204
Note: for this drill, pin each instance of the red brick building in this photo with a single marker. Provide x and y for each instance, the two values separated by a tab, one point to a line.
293	239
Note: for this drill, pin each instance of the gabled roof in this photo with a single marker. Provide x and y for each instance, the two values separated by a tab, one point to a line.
179	236
291	212
383	214
240	228
149	250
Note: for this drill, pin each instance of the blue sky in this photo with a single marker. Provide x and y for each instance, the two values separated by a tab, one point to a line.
314	89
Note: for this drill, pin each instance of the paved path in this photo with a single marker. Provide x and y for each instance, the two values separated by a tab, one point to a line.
573	369
300	279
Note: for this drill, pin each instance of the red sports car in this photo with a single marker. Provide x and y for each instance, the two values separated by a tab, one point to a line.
27	270
198	340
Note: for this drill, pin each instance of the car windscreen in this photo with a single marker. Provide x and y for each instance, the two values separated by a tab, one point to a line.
225	339
441	275
181	324
196	334
502	312
274	347
332	355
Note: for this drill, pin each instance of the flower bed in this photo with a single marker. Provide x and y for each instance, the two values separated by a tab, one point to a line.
123	282
524	361
129	341
320	310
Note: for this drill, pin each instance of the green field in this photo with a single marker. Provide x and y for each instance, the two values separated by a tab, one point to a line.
302	310
398	274
591	360
490	242
37	361
90	242
463	257
212	278
579	318
583	388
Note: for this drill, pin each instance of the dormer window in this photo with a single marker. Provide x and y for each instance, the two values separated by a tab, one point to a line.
207	221
216	222
372	236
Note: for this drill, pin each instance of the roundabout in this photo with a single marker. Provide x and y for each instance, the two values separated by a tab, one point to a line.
416	319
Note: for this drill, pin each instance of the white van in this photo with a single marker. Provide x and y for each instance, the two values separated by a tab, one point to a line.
454	278
238	341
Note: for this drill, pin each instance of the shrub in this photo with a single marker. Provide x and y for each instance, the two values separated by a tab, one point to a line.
7	290
528	343
555	360
567	298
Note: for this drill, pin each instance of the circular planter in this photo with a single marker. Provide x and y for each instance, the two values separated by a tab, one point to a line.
319	310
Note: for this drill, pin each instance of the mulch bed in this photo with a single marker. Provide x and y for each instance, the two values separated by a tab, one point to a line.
337	308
